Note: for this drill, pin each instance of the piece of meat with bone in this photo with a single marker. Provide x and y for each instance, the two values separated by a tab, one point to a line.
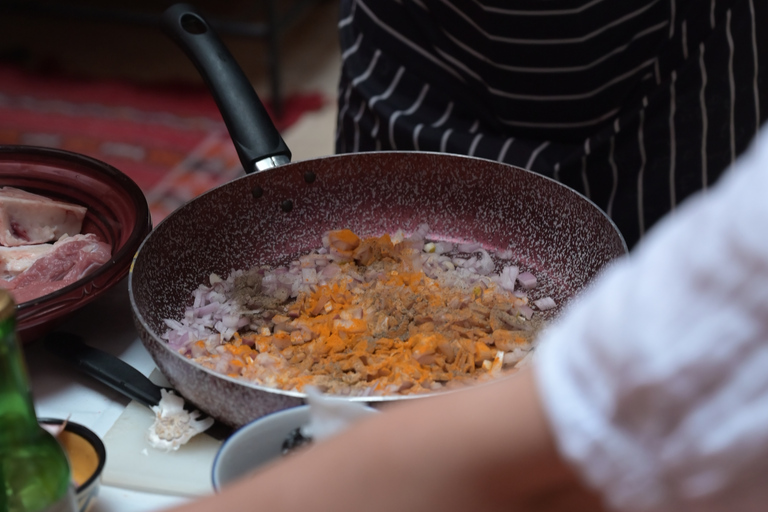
15	260
27	218
71	258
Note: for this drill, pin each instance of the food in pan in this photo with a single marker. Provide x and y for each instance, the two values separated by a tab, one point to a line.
30	266
376	316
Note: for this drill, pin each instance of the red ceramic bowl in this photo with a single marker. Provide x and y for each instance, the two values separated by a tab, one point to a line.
117	213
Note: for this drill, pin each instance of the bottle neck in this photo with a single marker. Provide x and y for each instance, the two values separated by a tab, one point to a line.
17	412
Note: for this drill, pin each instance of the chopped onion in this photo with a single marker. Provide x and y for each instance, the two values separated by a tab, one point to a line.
507	277
443	247
421	232
526	311
469	247
545	303
527	280
309	275
486	265
215	316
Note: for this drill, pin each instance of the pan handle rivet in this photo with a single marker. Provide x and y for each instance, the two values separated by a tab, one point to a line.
310	177
286	205
257	192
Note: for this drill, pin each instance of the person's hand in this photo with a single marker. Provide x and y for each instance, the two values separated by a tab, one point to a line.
486	448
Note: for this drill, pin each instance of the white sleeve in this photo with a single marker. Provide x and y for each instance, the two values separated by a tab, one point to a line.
655	380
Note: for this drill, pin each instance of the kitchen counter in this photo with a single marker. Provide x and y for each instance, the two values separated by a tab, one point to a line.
60	391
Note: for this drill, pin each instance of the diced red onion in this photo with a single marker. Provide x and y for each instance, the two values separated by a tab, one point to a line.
198	296
447	265
339	256
514	356
354	275
469	247
421	232
507	277
545	303
413	243
230	321
207	309
526	311
330	271
486	265
172	324
309	275
527	280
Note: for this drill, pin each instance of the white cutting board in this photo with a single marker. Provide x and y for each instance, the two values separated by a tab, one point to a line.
133	464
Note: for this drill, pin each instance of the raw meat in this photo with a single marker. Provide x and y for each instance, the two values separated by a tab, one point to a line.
27	219
15	260
71	258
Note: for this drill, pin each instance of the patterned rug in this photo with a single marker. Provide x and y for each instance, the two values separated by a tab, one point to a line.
170	140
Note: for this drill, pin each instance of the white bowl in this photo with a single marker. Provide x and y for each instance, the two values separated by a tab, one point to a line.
255	444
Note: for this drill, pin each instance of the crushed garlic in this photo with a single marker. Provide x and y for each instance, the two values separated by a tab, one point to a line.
174	426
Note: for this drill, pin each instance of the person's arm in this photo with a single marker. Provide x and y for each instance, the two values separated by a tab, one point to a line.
484	449
655	382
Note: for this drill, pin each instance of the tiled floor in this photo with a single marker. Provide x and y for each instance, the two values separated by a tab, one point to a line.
309	55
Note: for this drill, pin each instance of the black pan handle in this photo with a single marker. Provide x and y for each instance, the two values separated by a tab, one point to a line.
104	367
258	143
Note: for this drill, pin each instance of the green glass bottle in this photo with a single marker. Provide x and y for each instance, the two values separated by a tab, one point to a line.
34	470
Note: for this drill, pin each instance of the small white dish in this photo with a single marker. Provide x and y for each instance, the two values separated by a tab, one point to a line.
255	444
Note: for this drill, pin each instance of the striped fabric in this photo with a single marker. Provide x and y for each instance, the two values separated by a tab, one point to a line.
634	103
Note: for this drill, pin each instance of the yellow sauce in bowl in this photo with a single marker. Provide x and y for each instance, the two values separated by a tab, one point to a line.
82	456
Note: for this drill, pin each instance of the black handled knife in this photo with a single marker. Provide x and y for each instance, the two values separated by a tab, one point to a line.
117	374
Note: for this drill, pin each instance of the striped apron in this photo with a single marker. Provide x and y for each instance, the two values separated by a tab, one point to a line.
634	103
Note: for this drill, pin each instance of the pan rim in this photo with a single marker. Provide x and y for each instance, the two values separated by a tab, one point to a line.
370	154
400	153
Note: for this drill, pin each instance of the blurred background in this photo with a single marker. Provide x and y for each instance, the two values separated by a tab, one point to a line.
99	78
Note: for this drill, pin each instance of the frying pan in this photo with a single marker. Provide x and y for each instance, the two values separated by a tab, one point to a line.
280	210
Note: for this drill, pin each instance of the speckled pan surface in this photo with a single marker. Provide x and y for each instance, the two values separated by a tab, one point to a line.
277	215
